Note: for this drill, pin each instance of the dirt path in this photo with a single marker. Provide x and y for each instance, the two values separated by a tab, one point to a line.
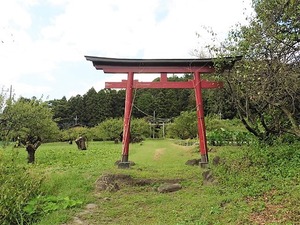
158	153
79	218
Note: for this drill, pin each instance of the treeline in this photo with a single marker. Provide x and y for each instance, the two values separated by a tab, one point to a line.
95	107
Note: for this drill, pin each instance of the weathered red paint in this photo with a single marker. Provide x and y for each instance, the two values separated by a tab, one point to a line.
127	116
163	77
164	84
200	116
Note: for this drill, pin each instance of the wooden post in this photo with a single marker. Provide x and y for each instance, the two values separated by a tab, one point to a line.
200	117
127	116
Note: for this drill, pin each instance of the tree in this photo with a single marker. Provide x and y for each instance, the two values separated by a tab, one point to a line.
2	99
144	102
30	122
139	129
61	112
92	108
184	126
110	129
217	102
264	85
76	109
161	104
117	103
110	103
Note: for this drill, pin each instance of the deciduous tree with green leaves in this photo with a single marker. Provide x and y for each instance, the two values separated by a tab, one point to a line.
30	122
184	126
264	86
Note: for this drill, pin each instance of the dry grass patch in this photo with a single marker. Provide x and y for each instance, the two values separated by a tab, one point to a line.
269	212
158	153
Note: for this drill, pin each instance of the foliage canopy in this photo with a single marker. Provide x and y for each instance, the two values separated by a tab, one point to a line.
264	85
28	118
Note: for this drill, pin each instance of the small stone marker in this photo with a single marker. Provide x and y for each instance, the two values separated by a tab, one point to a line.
216	160
164	188
208	178
193	162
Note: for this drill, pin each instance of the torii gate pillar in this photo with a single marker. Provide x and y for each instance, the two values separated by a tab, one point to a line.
127	115
162	66
200	118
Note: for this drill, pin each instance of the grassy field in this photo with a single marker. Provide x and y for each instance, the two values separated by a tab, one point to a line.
248	189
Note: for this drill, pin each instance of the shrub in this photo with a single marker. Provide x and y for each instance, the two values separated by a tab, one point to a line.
222	137
18	187
46	204
75	132
139	129
111	129
184	126
215	123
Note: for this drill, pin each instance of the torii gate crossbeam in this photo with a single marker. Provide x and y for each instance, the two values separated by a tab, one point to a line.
162	66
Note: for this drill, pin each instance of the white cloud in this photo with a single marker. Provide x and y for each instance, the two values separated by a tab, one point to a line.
15	13
29	90
116	28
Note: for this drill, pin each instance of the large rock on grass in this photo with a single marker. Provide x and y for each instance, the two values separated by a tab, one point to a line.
164	188
208	178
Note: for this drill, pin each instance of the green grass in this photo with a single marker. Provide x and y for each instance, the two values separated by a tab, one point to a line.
251	185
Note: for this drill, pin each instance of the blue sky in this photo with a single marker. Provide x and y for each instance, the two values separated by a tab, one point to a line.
43	42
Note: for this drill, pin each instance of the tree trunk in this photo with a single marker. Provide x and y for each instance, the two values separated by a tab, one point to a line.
31	153
31	149
295	127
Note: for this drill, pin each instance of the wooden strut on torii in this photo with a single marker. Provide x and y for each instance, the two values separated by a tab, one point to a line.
163	67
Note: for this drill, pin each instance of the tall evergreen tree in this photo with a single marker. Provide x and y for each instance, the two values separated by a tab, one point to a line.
144	102
92	108
116	102
60	109
77	110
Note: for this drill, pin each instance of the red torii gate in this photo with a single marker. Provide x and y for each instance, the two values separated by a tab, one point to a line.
162	66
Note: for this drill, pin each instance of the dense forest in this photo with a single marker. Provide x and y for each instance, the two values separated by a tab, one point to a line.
94	107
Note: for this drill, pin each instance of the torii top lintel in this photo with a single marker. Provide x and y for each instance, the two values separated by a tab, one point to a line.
122	65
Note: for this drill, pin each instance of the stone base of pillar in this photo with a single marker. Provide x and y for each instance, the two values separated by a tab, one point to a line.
124	165
204	161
